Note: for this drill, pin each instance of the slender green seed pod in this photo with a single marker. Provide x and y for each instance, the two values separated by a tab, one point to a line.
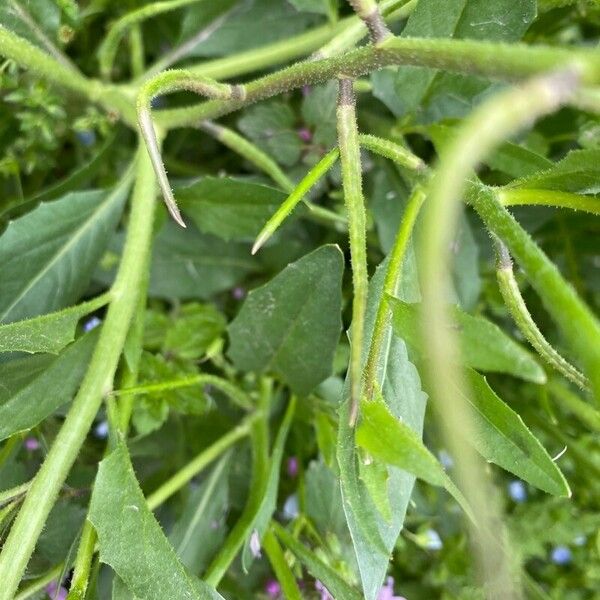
311	178
391	150
513	299
355	207
165	83
517	197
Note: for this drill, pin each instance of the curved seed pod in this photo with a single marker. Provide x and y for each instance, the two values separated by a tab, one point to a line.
513	299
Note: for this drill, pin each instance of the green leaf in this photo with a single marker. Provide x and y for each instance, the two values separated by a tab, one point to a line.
316	567
389	440
188	264
373	537
578	172
34	387
318	111
438	95
48	256
266	509
229	208
19	16
291	325
270	125
48	333
200	530
315	6
484	345
131	540
502	437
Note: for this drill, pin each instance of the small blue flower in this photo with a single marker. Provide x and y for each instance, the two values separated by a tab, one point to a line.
91	323
291	508
446	460
86	137
434	541
101	430
517	491
561	555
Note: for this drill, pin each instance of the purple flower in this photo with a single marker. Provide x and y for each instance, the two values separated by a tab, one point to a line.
272	588
387	591
31	444
255	544
238	293
292	466
325	595
55	591
561	555
305	134
517	491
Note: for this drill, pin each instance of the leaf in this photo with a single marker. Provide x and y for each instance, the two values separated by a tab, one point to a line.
266	509
200	530
291	325
373	537
578	172
391	441
47	257
323	500
255	23
48	333
43	14
318	111
316	567
517	161
316	6
188	264
33	388
270	125
502	437
440	95
229	208
131	540
484	345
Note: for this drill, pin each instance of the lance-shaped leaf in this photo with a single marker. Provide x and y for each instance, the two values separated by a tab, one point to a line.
502	437
291	325
229	208
47	257
48	333
131	540
484	346
34	387
373	536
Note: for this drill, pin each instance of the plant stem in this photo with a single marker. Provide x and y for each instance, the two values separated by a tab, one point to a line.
282	571
574	404
184	475
393	151
40	583
83	562
494	121
297	195
497	61
513	197
96	384
10	494
393	276
578	324
357	232
368	12
513	300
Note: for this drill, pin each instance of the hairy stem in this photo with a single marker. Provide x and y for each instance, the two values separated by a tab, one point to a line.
96	384
395	152
496	120
368	12
513	300
282	571
357	231
515	197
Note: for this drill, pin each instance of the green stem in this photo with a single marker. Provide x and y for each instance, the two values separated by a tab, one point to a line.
40	583
83	562
393	151
260	474
573	403
282	571
110	44
166	83
136	50
368	12
357	232
297	195
14	492
237	395
198	464
577	323
96	384
393	276
252	153
514	197
513	300
497	61
494	121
